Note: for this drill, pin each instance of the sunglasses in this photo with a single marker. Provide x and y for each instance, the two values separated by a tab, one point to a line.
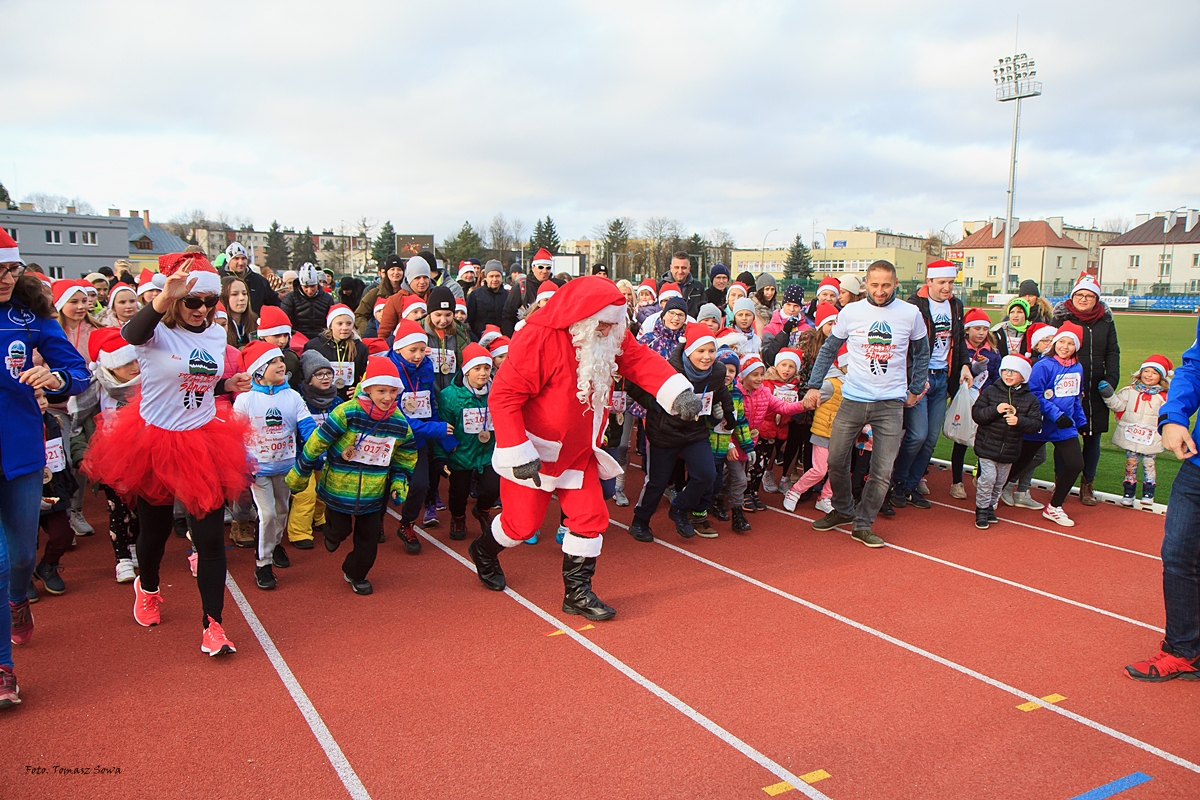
195	301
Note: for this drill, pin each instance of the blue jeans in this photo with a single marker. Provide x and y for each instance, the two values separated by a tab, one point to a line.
922	427
1181	563
20	499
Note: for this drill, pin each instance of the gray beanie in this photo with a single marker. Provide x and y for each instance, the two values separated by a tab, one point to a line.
764	280
708	311
415	268
493	266
312	362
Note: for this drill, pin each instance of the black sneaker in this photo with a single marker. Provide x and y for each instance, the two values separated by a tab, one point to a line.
382	536
682	526
759	505
991	516
180	526
898	499
458	528
264	577
359	587
48	575
412	544
886	509
981	519
917	500
331	545
831	521
303	544
641	531
279	557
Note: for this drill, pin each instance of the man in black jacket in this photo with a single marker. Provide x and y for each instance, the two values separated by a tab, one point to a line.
681	273
485	305
517	302
943	315
260	291
307	304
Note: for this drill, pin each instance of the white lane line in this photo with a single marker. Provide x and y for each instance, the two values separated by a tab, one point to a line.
742	747
912	648
998	579
333	752
1055	533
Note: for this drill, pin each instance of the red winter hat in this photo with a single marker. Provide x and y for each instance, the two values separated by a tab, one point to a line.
338	310
696	334
1038	331
9	253
257	355
749	364
146	281
499	346
381	372
409	332
221	312
460	304
490	334
473	355
107	347
273	322
789	354
119	286
942	269
592	296
375	346
830	282
1086	283
543	258
203	272
648	286
380	301
411	302
65	289
669	290
843	357
1155	362
825	312
1071	330
745	289
976	317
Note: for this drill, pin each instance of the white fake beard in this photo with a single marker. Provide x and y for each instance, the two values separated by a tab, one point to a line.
597	357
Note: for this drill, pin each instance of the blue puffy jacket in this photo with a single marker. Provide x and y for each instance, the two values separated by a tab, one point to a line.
1184	397
1059	390
22	448
421	379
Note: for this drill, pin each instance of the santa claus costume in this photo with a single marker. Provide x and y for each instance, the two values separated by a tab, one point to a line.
172	444
549	403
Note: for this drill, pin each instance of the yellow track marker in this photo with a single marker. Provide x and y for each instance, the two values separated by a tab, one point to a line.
585	627
1032	706
560	632
555	633
784	786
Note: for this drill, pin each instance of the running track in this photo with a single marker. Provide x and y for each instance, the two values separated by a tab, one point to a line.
736	667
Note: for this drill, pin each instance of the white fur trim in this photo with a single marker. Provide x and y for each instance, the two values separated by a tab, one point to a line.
546	294
703	340
475	362
382	380
67	294
159	281
412	338
582	546
262	360
119	287
671	389
979	323
9	255
502	350
750	364
119	357
1063	335
520	324
514	456
500	536
614	314
206	283
1041	333
1017	364
733	339
942	272
277	330
338	312
784	355
148	286
668	294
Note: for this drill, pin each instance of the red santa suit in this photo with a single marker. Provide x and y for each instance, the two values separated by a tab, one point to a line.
538	415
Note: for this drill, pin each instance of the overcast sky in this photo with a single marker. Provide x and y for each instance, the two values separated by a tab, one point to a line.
745	116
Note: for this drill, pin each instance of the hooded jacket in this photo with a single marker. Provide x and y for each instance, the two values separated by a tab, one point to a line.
455	403
485	306
995	439
420	380
307	314
668	431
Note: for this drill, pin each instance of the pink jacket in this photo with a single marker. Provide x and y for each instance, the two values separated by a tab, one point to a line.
762	401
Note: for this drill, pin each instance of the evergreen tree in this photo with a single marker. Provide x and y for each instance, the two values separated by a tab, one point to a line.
6	201
467	243
799	261
536	238
696	248
277	251
544	235
385	243
303	250
614	244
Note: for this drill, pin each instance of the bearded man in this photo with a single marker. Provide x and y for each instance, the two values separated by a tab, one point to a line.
550	403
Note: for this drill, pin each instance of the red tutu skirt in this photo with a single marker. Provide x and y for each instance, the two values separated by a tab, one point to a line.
201	468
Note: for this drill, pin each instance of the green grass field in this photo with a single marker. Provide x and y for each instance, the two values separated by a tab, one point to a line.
1139	336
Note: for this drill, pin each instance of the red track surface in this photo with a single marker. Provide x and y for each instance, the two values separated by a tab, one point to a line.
435	687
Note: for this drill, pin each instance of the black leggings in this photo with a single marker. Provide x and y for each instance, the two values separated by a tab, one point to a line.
418	485
1067	454
765	460
957	456
208	539
799	446
365	528
122	524
460	490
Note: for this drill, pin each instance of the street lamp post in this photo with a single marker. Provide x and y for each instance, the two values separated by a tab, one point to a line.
762	256
1014	78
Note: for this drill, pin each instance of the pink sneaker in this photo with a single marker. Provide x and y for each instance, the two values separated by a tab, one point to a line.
214	642
10	695
193	561
145	605
22	622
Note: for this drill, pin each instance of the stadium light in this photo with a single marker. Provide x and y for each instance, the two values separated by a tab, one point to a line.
1014	77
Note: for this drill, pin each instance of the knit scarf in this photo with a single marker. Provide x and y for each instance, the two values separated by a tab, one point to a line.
320	399
1086	318
1142	388
692	374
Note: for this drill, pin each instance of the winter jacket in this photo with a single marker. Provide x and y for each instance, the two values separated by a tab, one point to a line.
339	353
419	381
762	402
1063	385
1100	358
995	439
764	313
1001	331
364	314
460	406
775	339
446	350
350	291
22	332
259	289
831	401
663	341
667	431
692	291
721	438
307	313
520	297
62	482
958	340
1185	393
485	307
775	425
1137	419
356	486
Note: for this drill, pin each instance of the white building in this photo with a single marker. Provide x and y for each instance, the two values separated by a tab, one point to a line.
1159	255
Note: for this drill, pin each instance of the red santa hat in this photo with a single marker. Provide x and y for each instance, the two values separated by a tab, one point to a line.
843	357
669	290
749	364
499	346
203	272
1086	283
475	355
789	354
546	291
381	372
1017	363
543	258
119	286
9	253
976	318
460	304
829	282
590	297
146	281
1069	330
648	286
379	303
221	312
338	310
409	332
464	267
1156	362
375	345
941	269
257	355
65	289
411	302
490	334
107	347
825	312
696	334
273	322
46	279
1038	331
738	285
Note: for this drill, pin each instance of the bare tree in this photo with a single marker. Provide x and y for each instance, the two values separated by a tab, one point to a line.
364	227
935	243
58	204
1116	224
720	246
500	235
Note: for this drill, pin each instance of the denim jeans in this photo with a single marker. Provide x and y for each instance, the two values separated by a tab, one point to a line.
884	417
20	498
1181	563
922	427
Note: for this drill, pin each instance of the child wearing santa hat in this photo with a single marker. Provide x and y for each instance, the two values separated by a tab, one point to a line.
464	405
647	301
277	413
729	446
1136	407
821	429
339	344
782	381
369	456
275	329
1038	336
984	360
122	305
759	402
498	348
307	515
1005	411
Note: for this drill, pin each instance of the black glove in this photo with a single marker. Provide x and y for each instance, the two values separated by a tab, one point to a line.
1065	422
791	324
529	471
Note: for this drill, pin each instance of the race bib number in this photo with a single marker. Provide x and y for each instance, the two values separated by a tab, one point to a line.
1067	385
620	401
787	393
1138	434
374	451
476	420
979	380
417	405
343	373
706	403
56	457
443	360
272	448
319	419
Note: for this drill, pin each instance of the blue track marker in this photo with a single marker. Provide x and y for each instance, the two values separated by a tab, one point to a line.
1116	787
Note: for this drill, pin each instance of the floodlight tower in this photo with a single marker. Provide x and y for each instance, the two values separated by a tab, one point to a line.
1014	77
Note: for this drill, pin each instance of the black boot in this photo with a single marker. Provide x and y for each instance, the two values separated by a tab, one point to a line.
485	552
981	519
458	528
740	524
719	509
579	597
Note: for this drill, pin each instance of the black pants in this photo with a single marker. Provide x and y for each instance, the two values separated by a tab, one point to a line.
436	466
799	446
208	539
57	526
1091	456
418	485
1067	453
122	523
460	490
860	469
696	495
365	528
958	457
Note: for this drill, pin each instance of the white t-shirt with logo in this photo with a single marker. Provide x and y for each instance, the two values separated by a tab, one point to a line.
877	342
273	419
180	369
939	338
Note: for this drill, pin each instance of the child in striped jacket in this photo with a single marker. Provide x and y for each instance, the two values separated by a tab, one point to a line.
729	448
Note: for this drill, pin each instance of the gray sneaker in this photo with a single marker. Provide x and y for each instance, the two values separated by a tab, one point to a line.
1023	500
868	538
1006	495
769	484
831	521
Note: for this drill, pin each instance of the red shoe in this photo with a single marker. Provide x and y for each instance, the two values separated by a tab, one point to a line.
1165	666
10	695
214	642
22	622
145	605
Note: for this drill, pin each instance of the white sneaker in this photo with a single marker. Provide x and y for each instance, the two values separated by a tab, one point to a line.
620	499
923	487
125	571
1006	494
1128	502
790	499
228	516
769	484
1023	500
1058	515
79	524
958	491
824	505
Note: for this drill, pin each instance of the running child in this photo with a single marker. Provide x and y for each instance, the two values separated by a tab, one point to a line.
729	449
58	484
822	427
983	357
464	405
307	517
759	401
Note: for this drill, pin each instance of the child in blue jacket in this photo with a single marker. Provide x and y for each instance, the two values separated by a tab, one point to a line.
1057	382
